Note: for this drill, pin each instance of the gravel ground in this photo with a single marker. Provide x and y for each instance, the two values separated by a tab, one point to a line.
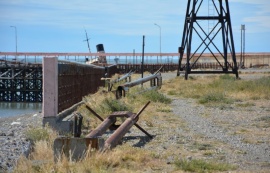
12	138
238	136
235	135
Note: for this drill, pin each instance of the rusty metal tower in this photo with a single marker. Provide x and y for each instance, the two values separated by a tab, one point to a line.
203	44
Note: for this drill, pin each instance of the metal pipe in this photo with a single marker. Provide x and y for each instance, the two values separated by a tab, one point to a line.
113	140
102	127
93	112
142	80
142	109
123	77
121	89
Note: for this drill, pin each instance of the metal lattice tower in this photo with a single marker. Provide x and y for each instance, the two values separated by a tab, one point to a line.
216	44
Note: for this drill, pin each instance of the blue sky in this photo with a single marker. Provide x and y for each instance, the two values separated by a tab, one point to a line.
58	26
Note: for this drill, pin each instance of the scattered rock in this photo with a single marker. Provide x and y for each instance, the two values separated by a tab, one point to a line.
13	140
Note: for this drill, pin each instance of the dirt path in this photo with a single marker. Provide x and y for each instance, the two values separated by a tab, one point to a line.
238	135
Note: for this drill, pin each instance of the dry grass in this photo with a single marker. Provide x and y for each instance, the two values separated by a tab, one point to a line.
125	158
219	89
122	159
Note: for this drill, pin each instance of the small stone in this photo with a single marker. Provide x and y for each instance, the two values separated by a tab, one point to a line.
189	157
170	160
10	134
3	134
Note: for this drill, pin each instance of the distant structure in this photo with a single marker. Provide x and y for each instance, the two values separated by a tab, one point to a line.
100	59
201	36
87	40
243	42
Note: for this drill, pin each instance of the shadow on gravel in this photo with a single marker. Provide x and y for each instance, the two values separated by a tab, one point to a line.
142	140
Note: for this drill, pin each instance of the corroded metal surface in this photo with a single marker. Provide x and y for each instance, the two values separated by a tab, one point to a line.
120	130
114	139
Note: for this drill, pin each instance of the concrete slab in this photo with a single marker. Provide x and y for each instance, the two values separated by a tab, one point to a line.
75	148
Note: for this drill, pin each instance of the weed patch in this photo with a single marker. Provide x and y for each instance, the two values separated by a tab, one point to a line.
155	96
224	89
214	97
38	134
112	105
202	166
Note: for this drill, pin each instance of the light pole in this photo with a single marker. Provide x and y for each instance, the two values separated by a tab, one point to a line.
159	39
16	40
242	58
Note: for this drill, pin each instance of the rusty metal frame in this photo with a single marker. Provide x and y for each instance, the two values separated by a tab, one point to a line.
120	130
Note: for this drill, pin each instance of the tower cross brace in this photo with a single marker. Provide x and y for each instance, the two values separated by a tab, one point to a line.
218	41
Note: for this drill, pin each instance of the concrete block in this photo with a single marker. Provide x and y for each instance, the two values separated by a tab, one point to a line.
63	126
75	148
50	86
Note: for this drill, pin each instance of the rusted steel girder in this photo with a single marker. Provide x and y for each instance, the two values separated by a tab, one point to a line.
121	114
120	131
101	129
114	139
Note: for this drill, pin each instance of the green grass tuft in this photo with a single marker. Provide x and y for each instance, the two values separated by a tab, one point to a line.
155	96
227	77
215	97
38	134
202	166
112	105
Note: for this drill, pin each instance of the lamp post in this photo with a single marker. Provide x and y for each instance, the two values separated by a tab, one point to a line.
242	59
159	39
16	40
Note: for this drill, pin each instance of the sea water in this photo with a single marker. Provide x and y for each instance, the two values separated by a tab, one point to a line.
15	109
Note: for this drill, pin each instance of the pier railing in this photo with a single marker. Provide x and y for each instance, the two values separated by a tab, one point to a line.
250	59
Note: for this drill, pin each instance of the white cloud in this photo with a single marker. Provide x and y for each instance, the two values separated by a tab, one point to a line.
117	17
257	20
252	1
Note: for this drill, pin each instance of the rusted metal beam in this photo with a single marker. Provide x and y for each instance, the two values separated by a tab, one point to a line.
101	129
113	140
142	109
93	112
112	127
144	131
